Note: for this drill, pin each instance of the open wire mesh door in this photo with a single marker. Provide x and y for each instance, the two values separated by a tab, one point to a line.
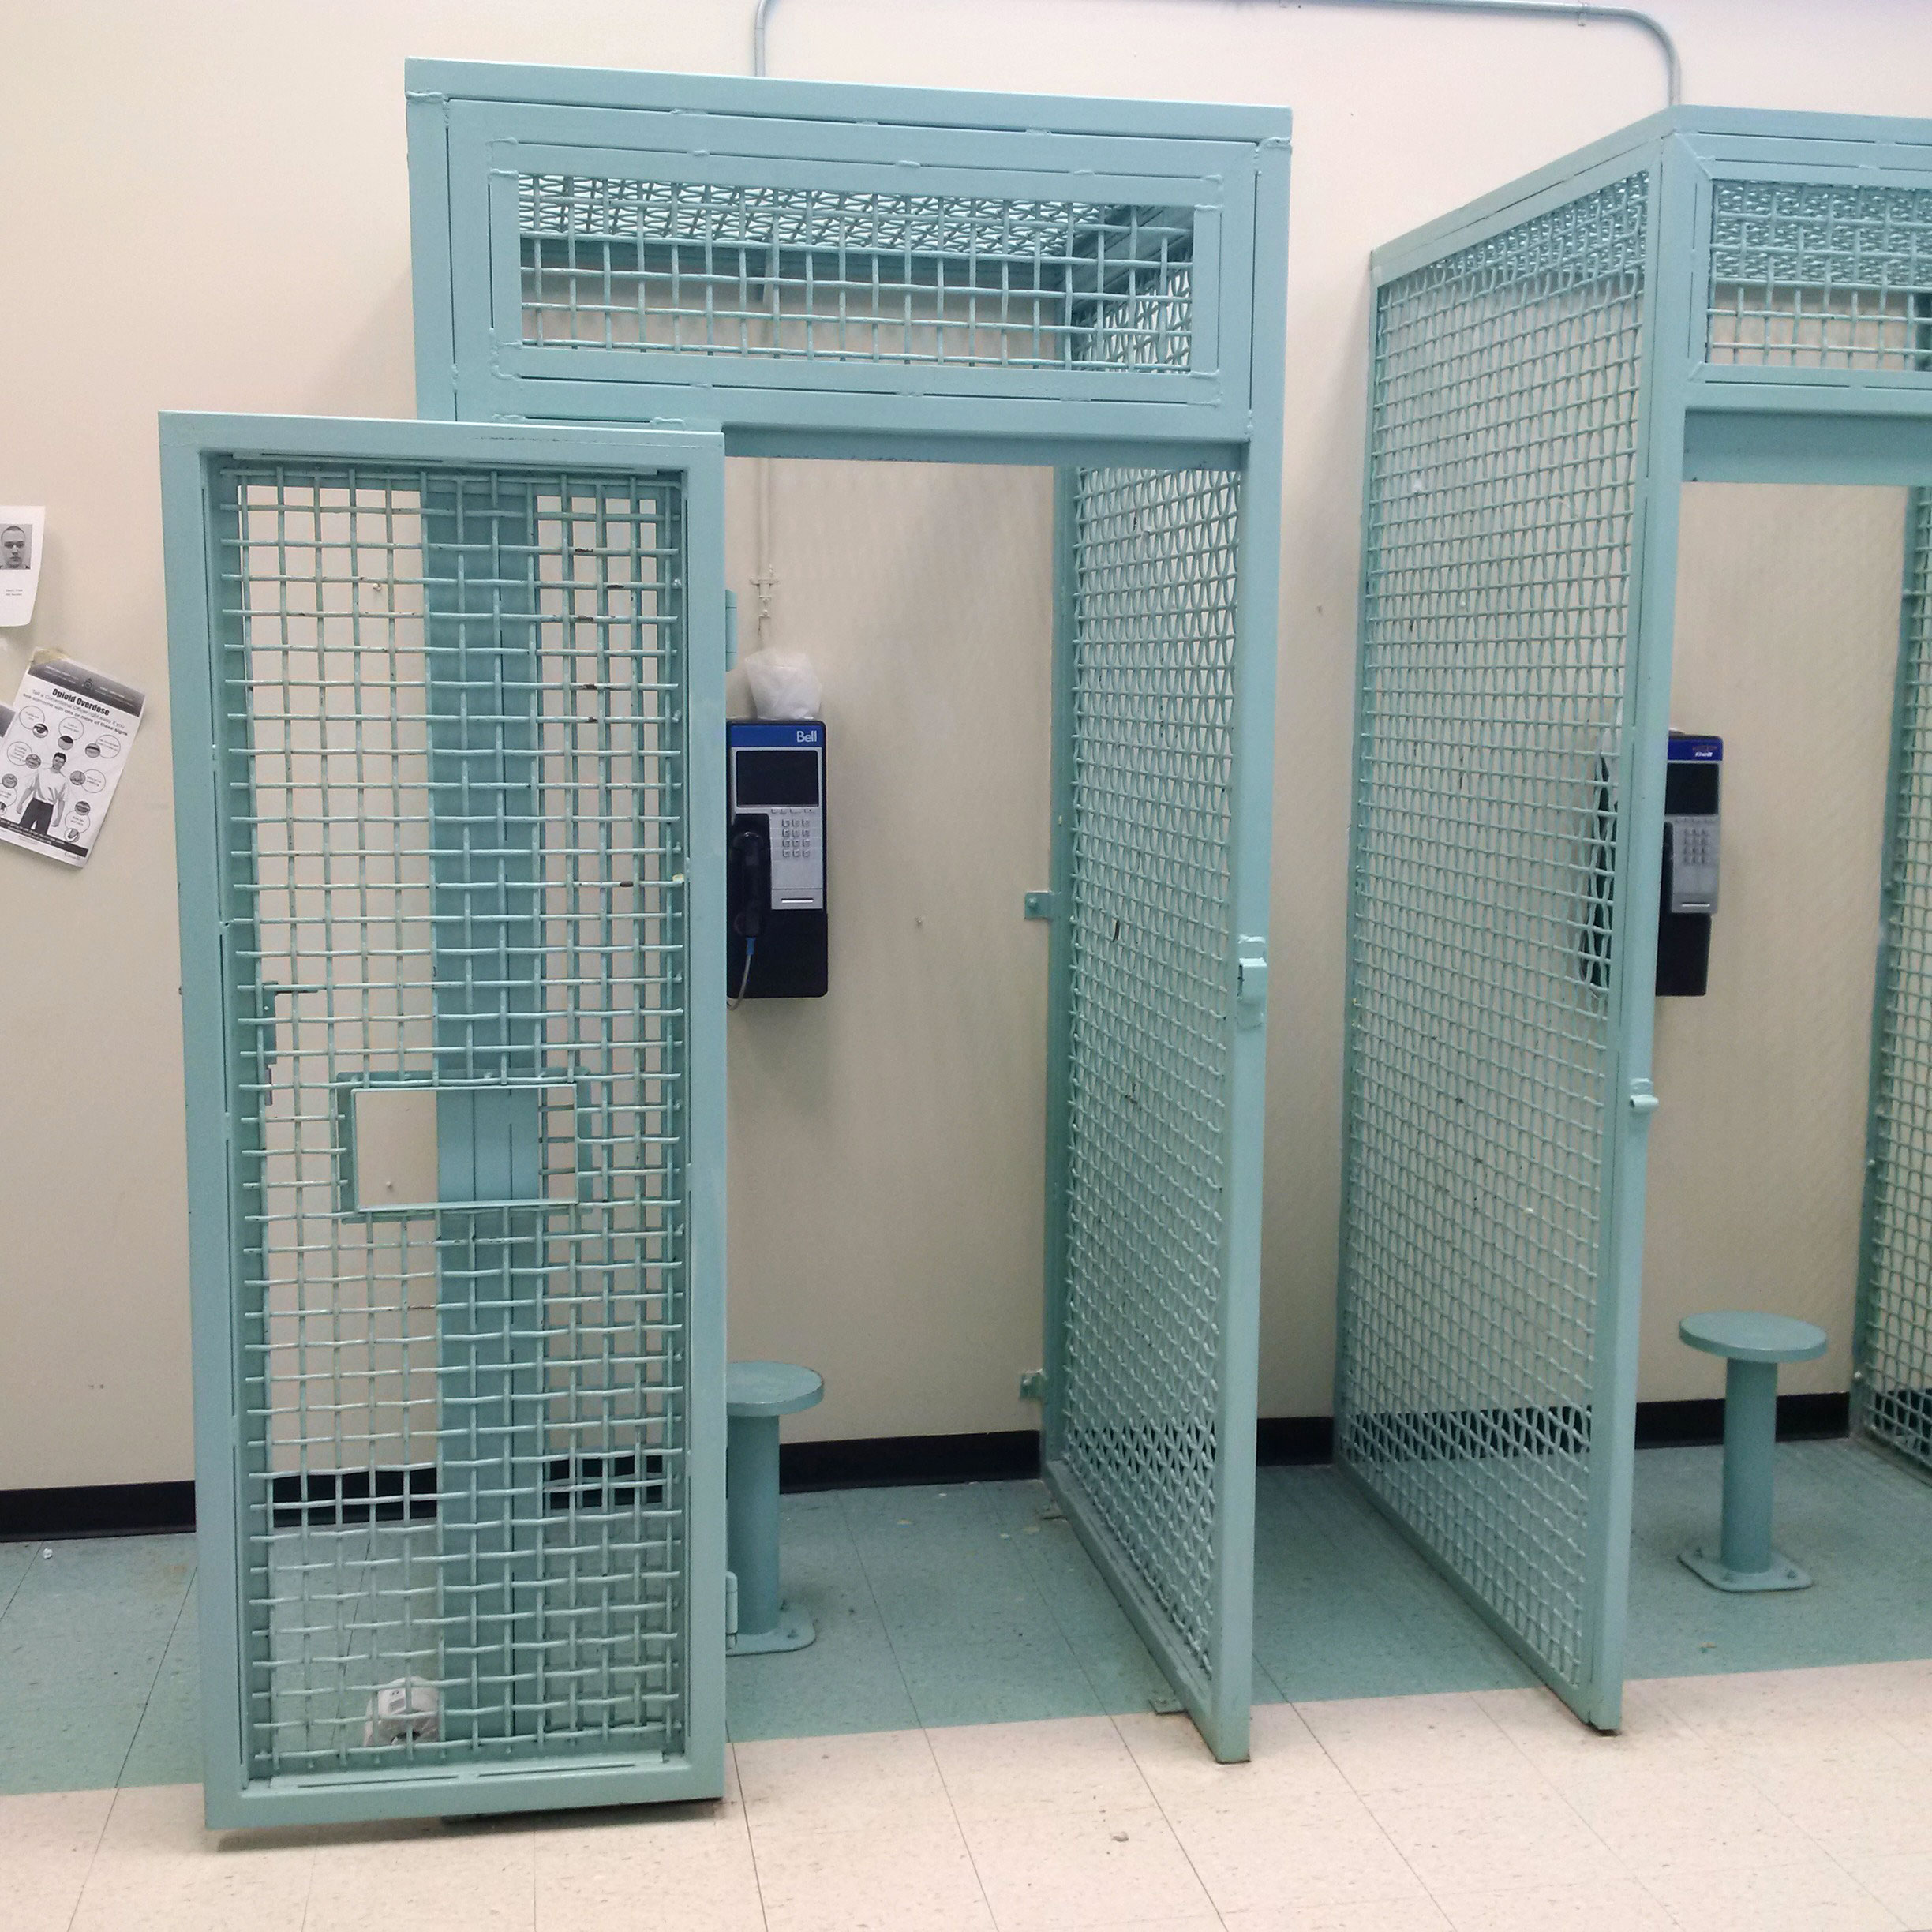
1892	1386
1151	1289
1480	1399
457	1330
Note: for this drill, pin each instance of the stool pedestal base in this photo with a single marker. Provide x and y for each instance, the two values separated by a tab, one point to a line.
793	1631
1783	1573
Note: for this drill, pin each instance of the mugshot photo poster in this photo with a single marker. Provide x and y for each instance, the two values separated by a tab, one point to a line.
23	530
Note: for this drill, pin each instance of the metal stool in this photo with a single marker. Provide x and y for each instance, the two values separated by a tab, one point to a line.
1752	1346
756	1395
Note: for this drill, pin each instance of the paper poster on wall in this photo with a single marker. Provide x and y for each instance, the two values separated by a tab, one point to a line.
22	527
62	756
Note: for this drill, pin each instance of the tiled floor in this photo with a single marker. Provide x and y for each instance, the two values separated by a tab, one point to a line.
1780	1801
973	1605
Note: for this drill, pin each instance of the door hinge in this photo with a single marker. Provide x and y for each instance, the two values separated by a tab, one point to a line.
1250	981
1033	1385
1643	1098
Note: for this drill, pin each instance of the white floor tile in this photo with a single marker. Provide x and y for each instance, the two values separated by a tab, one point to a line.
693	1864
1472	1837
1422	1743
47	1841
1812	1894
470	1877
1901	1883
1287	1761
1095	1866
1312	1852
1870	1806
1610	1906
1691	1808
989	1770
842	1783
872	1879
159	1868
1375	1915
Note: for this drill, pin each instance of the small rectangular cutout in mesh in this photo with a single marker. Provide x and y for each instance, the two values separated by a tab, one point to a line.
842	276
1814	275
1892	1396
1490	722
454	768
1152	747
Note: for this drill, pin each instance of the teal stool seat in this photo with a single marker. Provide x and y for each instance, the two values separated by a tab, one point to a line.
756	1395
1752	1345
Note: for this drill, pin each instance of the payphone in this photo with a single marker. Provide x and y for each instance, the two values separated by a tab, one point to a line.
1692	780
776	944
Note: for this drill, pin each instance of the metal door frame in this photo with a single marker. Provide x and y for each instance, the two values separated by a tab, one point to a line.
1234	425
190	445
1701	419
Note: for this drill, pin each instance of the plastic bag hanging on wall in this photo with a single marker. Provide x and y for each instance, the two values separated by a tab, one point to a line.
784	684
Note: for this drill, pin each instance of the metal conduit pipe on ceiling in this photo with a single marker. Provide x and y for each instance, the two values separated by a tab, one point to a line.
1581	11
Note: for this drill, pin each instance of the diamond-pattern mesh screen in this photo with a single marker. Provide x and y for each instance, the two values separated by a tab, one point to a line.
833	276
453	778
1812	274
1893	1393
1152	765
1503	488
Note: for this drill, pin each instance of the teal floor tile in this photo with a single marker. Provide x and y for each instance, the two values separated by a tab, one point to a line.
81	1643
975	1604
1860	1523
167	1744
848	1678
968	1683
1344	1608
16	1559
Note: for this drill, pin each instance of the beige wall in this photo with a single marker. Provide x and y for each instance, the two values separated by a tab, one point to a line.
220	190
1787	623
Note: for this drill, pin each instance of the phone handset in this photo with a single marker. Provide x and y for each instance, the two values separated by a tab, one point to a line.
749	887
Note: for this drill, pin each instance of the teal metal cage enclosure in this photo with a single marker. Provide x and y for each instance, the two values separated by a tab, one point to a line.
453	880
1710	295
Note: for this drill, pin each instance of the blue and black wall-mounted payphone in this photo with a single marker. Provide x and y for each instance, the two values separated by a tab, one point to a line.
1691	783
775	790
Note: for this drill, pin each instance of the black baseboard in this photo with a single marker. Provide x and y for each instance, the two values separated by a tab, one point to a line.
1692	1425
97	1510
1284	1440
895	1462
889	1461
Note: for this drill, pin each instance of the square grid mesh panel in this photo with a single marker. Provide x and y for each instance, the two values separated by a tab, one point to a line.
454	773
1503	448
827	276
1809	274
1893	1393
1153	715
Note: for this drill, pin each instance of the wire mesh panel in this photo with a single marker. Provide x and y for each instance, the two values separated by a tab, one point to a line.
830	275
454	709
1892	1390
1483	927
1137	1394
1816	275
810	258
